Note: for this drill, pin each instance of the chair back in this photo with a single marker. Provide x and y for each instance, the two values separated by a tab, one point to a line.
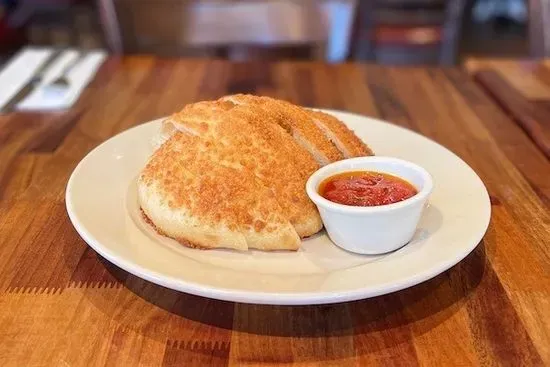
409	31
186	27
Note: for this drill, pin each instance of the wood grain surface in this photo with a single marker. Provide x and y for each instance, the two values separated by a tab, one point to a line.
522	89
63	305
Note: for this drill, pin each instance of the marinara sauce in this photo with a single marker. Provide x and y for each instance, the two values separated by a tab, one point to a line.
366	188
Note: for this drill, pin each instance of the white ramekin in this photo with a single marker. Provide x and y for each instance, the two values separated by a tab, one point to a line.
375	229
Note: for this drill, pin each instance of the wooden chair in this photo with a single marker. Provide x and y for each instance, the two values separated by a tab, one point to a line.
409	31
539	28
183	27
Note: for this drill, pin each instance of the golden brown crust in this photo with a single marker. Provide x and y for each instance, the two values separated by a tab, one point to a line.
303	124
192	195
297	122
344	139
243	138
266	125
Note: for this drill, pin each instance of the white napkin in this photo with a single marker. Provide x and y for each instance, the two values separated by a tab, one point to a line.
23	66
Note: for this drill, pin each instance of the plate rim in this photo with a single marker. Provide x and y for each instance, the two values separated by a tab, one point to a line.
271	298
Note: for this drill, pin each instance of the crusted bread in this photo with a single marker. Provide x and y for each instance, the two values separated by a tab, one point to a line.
203	203
298	122
241	136
338	133
266	125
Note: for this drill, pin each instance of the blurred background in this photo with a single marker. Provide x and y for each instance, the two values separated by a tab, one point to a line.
390	32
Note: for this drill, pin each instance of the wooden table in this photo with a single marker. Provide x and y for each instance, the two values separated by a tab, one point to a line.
522	89
62	305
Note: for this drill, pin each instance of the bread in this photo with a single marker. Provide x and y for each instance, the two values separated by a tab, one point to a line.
297	122
241	137
231	173
343	138
204	204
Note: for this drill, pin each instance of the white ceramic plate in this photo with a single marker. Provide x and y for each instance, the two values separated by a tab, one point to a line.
102	204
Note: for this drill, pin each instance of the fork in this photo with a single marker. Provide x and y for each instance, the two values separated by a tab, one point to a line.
62	82
32	84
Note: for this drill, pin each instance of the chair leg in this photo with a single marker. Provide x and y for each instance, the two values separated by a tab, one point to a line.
539	39
451	32
364	50
110	25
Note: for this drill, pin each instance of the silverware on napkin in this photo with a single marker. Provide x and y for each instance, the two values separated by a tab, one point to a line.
62	82
31	84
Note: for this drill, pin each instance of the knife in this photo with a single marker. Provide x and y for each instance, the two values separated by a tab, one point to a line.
31	84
